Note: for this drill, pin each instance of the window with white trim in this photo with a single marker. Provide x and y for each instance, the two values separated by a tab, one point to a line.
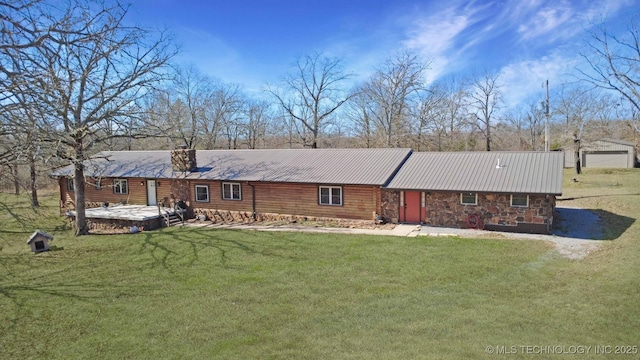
120	186
202	193
70	185
330	195
231	191
469	198
519	200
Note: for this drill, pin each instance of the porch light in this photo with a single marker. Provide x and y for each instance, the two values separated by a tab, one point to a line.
141	183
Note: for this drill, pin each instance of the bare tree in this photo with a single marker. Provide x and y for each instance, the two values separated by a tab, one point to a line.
575	107
312	94
359	111
22	29
604	115
425	113
258	118
450	122
88	75
517	118
535	123
193	91
223	106
484	99
615	61
391	89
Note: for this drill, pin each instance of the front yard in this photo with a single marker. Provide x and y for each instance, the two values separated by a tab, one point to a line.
205	293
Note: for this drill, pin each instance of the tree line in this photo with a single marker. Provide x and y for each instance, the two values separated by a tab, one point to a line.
76	79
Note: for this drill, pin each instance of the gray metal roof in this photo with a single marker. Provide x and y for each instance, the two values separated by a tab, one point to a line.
325	166
519	172
619	142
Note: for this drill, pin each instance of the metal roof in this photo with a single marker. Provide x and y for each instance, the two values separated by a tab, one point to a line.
502	172
619	142
325	166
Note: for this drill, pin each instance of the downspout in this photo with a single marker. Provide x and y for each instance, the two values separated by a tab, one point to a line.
253	201
550	214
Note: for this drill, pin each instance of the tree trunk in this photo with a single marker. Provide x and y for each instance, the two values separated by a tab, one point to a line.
16	181
78	182
576	155
488	136
34	184
576	152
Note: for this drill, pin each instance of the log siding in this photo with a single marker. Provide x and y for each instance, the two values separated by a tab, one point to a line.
358	201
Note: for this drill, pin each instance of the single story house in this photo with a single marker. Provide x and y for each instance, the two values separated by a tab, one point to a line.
494	190
506	191
603	153
334	183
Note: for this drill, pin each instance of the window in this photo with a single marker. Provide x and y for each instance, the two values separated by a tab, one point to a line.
330	195
469	198
70	185
231	191
520	200
202	193
120	186
98	184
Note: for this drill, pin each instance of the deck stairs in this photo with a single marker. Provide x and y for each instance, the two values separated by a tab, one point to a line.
172	217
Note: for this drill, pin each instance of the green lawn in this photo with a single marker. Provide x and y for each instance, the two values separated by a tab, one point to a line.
199	293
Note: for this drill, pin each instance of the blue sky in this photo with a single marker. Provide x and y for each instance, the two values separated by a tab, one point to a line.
254	42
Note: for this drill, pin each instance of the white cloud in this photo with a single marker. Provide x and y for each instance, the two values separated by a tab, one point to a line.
550	20
524	79
434	37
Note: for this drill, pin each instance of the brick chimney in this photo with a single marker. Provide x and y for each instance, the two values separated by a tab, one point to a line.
183	159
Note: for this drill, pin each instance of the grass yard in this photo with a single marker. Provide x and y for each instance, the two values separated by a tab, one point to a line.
182	293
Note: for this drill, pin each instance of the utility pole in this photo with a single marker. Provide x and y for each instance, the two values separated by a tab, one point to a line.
546	123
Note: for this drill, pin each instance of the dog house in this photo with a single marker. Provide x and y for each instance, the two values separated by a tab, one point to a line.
39	241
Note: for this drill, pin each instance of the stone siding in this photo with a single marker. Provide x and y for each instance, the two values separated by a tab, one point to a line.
117	225
493	210
227	216
390	205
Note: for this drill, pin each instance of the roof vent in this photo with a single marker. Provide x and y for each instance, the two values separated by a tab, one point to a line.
500	166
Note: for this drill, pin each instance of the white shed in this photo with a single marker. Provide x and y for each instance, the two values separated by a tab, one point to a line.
39	241
603	153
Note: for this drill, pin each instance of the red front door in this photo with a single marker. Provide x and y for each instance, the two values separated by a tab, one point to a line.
411	211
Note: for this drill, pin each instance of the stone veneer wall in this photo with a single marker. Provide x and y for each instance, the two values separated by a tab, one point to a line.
180	191
495	211
116	224
390	205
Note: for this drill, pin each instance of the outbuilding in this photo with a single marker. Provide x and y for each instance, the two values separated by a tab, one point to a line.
603	153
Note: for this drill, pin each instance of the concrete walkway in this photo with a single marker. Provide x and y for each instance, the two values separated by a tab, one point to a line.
399	230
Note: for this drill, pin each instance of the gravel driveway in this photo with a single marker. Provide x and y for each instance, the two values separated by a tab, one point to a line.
576	232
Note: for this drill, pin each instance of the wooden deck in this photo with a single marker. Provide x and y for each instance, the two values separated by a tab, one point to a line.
125	212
